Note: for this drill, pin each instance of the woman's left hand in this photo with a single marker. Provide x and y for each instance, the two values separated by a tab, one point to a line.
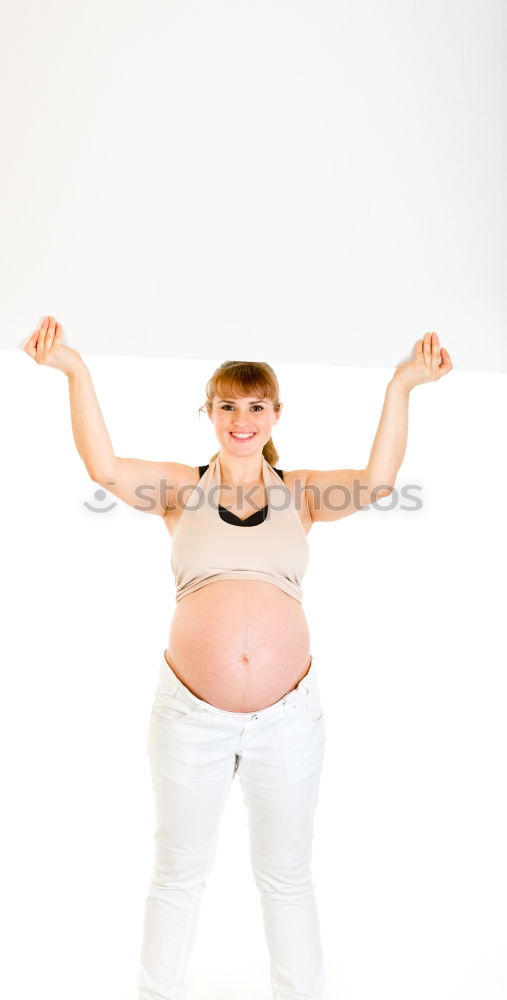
430	363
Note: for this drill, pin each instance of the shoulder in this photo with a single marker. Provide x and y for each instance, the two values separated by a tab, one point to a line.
184	477
183	480
295	476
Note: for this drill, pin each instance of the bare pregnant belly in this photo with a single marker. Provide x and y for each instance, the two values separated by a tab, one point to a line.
239	644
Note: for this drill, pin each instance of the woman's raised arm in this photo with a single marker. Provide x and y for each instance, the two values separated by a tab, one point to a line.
90	432
148	486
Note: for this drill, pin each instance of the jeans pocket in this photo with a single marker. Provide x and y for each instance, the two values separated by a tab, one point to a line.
314	707
169	706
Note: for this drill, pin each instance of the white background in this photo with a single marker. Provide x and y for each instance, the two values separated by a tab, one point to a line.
406	610
299	179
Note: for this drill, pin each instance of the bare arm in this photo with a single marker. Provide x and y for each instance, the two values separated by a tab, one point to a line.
337	493
389	445
90	432
88	427
431	362
148	486
360	487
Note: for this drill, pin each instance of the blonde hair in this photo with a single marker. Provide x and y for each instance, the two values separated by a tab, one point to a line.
245	378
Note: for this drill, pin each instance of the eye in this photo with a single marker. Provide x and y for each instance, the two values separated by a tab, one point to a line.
257	406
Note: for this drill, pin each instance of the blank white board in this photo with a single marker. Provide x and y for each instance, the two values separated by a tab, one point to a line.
291	181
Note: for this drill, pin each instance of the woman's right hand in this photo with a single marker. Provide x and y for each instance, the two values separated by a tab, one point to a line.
46	348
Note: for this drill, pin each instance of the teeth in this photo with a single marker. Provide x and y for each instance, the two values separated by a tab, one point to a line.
243	436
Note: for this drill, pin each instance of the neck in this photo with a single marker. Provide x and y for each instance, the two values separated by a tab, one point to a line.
240	470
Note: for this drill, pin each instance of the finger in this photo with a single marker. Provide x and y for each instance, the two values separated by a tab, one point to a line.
427	348
446	359
435	351
50	334
31	340
43	329
29	348
39	347
32	344
419	349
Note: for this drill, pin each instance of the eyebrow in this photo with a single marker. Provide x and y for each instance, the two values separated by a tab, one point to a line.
255	399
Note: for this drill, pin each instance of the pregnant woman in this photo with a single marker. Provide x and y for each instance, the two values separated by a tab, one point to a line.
238	689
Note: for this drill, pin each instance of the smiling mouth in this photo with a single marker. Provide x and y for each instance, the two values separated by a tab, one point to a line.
242	438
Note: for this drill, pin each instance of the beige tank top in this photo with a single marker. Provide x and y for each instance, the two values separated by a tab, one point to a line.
206	548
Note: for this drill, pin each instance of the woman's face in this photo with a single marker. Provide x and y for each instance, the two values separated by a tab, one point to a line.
246	415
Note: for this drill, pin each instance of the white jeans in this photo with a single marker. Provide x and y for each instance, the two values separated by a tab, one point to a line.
195	750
